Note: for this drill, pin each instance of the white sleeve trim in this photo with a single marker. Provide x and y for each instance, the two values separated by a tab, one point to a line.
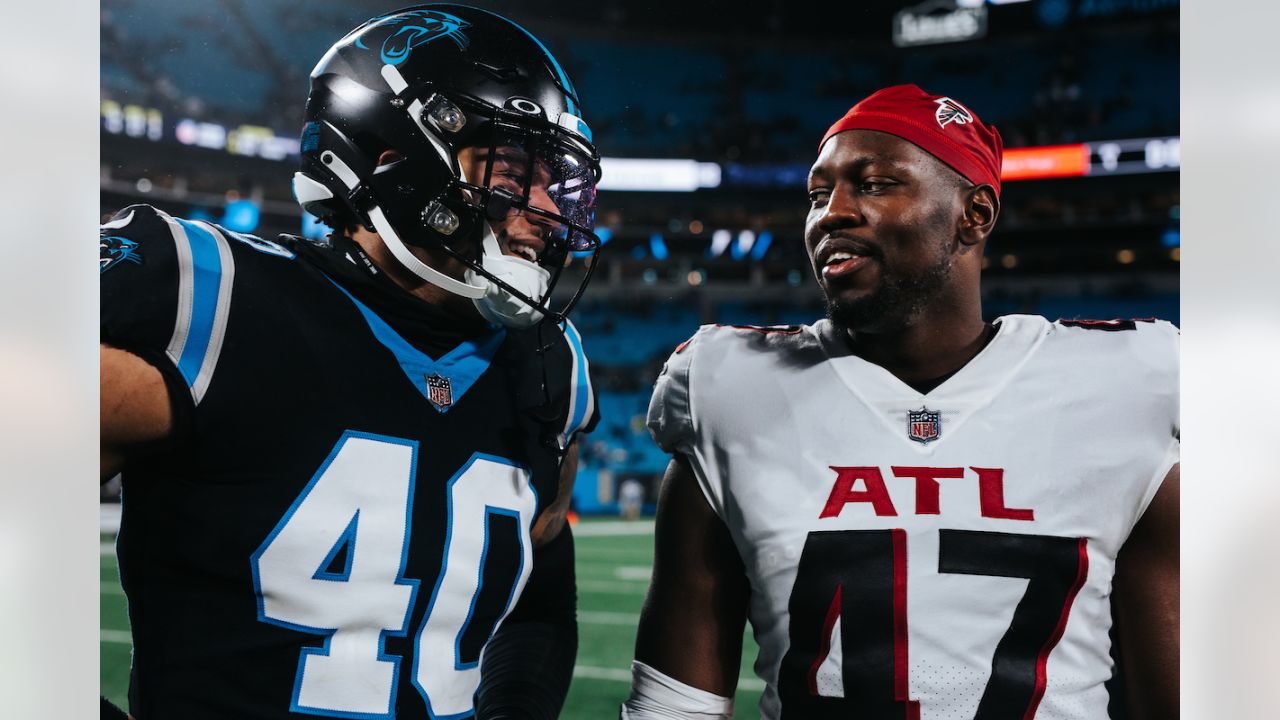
655	696
206	277
579	387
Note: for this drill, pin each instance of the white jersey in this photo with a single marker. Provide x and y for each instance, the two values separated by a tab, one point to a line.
945	556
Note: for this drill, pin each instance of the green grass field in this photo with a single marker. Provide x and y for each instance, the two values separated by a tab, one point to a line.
613	572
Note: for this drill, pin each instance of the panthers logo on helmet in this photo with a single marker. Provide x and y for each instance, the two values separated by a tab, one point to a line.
113	249
418	28
950	111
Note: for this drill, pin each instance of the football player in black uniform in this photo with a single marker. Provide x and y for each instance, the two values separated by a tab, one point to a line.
345	465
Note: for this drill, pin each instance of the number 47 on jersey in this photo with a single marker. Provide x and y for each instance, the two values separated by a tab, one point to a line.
848	655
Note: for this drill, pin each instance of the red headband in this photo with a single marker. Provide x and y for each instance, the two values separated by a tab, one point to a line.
939	125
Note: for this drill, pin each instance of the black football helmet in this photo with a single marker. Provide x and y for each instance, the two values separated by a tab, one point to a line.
427	82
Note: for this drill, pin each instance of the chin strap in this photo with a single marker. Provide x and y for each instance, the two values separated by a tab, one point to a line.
419	268
389	236
497	305
493	302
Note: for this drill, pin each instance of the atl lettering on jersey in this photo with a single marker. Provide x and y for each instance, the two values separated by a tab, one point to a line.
963	569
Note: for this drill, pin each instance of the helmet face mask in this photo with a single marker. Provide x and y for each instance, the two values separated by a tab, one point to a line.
486	140
546	179
535	189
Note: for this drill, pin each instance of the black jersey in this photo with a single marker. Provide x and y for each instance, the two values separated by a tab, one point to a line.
343	515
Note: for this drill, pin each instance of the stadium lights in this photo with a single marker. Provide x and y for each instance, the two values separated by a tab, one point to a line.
763	241
132	120
202	134
746	239
720	240
939	21
643	175
657	247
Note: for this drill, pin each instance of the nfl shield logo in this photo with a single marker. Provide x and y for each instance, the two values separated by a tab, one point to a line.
924	425
439	391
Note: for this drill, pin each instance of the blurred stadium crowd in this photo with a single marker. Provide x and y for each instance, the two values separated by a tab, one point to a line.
202	102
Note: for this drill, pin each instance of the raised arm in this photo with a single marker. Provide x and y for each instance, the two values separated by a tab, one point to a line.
133	407
689	643
1146	602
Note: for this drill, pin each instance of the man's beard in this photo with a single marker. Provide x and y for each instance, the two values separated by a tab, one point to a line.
894	303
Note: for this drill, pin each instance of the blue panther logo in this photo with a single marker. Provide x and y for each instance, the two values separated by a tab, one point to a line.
113	249
418	28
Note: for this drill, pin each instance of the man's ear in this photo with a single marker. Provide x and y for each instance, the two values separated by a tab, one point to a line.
981	209
389	156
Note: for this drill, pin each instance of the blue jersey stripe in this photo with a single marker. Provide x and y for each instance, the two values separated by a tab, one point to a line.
581	380
206	279
462	365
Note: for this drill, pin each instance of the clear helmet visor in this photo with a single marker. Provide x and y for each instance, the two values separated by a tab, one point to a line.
537	192
573	190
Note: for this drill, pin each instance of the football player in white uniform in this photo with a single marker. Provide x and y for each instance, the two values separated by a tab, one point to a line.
924	516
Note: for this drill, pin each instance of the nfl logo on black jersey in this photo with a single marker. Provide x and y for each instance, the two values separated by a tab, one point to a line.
440	391
923	425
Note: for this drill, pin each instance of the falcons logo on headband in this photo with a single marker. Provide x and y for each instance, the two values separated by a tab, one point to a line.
950	111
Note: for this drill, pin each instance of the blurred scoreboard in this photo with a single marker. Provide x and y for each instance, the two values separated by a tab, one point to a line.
1110	157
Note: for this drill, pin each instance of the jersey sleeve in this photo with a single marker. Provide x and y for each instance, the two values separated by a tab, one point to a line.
670	417
138	280
581	409
1157	349
165	289
671	420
